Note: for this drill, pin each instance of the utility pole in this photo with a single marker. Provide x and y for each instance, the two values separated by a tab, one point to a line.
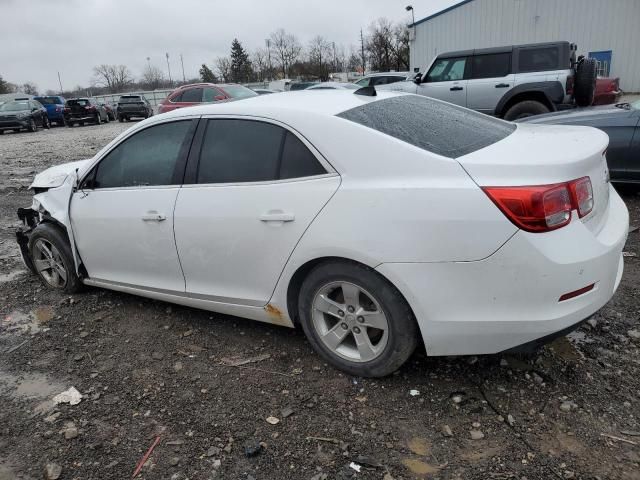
335	59
149	62
364	61
60	82
169	69
182	63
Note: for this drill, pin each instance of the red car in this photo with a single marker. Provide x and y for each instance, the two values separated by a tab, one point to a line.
198	93
607	91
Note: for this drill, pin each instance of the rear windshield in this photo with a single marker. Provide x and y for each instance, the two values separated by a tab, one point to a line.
49	100
435	126
82	102
238	91
130	99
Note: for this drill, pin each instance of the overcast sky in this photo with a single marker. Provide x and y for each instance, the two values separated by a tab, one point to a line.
41	37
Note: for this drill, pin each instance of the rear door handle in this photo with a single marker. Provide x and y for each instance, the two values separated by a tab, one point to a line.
153	217
455	89
502	85
277	216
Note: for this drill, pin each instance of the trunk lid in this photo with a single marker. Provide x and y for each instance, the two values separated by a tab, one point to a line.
543	155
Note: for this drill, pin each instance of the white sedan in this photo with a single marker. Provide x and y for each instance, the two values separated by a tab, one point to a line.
371	221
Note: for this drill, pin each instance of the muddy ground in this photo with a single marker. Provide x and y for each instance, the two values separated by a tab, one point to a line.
147	369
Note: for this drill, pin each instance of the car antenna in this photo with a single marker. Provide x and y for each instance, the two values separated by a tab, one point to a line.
369	91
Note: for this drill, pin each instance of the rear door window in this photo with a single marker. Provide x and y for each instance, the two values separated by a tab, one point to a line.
237	151
538	59
435	126
192	95
491	65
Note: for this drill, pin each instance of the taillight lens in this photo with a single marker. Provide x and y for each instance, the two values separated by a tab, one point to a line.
542	208
582	194
569	86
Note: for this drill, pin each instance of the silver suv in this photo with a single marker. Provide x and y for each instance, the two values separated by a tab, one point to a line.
509	82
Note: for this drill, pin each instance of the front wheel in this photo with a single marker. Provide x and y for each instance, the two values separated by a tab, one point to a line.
46	123
98	119
32	125
356	320
52	258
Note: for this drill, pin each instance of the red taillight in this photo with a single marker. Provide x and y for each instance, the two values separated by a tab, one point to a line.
542	208
569	86
582	194
66	109
576	293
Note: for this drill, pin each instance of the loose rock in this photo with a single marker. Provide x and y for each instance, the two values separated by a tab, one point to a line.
476	435
52	471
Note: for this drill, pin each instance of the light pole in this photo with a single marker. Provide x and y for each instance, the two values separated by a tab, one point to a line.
149	62
409	8
182	63
268	43
169	69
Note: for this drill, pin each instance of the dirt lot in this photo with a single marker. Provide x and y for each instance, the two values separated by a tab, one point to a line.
147	369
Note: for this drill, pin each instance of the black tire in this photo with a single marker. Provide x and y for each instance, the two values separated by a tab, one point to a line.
120	118
525	108
56	236
584	88
402	327
81	124
46	123
98	119
69	124
32	125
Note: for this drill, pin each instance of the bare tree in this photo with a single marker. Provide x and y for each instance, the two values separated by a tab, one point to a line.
320	54
379	46
260	63
287	49
223	64
400	47
29	88
152	77
115	78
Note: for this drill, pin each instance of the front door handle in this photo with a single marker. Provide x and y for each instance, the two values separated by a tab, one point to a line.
277	216
153	217
455	89
502	85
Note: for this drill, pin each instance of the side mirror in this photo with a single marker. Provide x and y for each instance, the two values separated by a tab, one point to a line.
417	79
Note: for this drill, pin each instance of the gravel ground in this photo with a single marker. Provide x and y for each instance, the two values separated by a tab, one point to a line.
147	369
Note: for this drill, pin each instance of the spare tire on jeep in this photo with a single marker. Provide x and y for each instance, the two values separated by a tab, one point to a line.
584	87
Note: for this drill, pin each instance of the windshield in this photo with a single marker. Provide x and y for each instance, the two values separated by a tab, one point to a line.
49	100
130	99
80	102
238	91
14	106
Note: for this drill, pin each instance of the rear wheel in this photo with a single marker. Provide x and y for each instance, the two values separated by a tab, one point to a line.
52	259
356	320
526	108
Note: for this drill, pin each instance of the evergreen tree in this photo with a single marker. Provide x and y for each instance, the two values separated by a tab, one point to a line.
207	75
4	86
241	69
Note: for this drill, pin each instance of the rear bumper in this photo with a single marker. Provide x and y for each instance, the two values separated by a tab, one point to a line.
134	113
512	297
80	118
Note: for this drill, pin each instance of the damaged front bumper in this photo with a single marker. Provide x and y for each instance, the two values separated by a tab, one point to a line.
29	218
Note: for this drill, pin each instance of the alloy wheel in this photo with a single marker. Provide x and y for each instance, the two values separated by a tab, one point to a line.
49	263
350	322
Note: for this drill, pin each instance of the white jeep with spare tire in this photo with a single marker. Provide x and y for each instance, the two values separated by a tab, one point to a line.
510	82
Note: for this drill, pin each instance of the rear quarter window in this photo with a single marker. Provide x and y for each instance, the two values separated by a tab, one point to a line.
434	126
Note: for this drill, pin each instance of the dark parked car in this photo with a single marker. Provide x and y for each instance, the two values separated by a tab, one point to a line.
197	93
130	106
55	107
621	122
23	113
81	110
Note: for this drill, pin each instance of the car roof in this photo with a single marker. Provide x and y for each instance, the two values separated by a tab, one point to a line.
504	49
328	102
